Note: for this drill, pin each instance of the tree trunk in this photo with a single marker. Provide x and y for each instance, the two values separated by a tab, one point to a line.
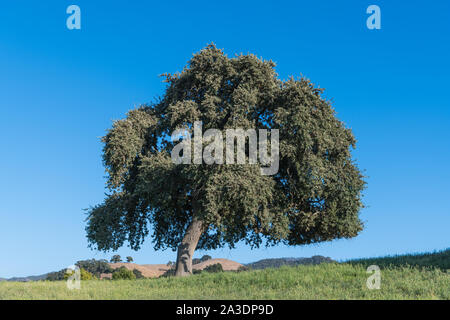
187	247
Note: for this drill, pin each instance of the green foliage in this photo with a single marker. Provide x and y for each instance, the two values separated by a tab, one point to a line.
170	273
243	268
123	273
116	258
56	276
91	266
138	274
170	264
84	275
129	259
96	267
217	267
202	259
205	258
315	197
437	259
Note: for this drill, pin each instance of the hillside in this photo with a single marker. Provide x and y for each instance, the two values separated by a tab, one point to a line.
26	279
278	262
147	270
324	281
437	259
156	270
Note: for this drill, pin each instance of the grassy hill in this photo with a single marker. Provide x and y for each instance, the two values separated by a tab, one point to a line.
323	281
278	262
437	259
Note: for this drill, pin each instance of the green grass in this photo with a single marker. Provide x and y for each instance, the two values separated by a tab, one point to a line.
437	259
325	281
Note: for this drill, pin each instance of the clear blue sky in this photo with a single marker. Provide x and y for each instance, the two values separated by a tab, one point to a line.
60	89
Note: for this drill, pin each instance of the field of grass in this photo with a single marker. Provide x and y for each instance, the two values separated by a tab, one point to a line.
437	259
325	281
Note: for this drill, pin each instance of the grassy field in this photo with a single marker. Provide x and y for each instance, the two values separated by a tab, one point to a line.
325	281
438	259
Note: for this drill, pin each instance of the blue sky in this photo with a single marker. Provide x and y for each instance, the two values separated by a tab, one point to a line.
60	89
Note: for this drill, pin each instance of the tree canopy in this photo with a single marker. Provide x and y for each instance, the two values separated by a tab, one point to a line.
116	258
315	196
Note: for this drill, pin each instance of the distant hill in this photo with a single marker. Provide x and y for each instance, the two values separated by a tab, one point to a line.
278	262
26	279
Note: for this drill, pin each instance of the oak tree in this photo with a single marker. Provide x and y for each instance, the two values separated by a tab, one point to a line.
315	196
116	258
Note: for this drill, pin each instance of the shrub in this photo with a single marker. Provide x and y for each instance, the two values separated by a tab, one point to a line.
202	259
217	267
171	273
170	264
168	273
92	266
84	275
205	258
96	267
123	273
243	268
56	276
116	258
211	268
138	274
